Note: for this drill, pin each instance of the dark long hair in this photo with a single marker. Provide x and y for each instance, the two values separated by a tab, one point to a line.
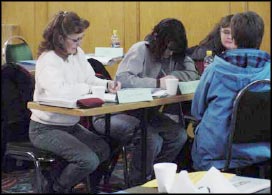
169	30
213	39
62	24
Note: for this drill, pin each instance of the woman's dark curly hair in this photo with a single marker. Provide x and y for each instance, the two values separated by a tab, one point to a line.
62	24
213	39
170	33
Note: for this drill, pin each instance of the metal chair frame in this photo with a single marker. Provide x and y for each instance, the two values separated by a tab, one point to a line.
4	50
233	120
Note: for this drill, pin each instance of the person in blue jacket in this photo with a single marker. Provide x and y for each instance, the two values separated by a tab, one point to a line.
218	86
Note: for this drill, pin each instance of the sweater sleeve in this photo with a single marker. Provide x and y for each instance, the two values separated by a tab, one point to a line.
189	73
131	70
64	79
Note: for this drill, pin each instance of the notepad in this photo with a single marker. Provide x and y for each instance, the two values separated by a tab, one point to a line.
188	86
134	95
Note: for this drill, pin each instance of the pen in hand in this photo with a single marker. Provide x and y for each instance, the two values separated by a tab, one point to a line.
163	72
115	84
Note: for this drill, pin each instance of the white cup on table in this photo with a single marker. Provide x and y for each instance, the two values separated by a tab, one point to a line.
98	91
165	174
171	86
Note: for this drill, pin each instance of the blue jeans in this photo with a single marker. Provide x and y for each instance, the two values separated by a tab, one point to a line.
122	126
165	139
82	149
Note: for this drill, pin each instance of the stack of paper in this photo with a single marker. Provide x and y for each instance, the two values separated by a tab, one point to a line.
71	103
59	102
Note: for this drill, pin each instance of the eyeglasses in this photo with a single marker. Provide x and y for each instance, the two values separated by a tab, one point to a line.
75	40
226	32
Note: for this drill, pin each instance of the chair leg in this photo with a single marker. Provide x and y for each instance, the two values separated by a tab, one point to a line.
110	169
88	184
38	176
126	175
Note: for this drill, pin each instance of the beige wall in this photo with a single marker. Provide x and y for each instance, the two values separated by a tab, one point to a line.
133	20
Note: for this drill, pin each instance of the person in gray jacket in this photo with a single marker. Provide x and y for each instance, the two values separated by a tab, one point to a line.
147	64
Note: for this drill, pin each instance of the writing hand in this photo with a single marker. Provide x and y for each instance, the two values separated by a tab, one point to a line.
114	86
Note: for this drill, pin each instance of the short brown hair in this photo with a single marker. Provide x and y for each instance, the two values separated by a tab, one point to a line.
247	29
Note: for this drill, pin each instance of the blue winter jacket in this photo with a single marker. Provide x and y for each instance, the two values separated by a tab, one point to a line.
212	106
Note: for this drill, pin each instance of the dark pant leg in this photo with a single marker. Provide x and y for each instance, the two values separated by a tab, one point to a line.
165	139
82	160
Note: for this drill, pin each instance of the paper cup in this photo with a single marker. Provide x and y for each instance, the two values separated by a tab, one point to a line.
98	91
171	86
165	175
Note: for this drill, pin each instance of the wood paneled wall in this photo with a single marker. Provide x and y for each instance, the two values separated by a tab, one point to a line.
133	20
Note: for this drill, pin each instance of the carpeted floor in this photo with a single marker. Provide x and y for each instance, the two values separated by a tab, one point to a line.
23	181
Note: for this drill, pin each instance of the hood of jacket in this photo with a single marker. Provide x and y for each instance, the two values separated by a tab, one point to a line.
238	67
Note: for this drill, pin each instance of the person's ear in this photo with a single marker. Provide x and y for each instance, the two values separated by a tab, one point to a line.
61	39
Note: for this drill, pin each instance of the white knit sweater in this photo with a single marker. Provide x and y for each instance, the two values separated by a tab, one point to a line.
56	78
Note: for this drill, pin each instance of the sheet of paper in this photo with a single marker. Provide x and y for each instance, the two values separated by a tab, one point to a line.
250	184
183	184
215	181
157	92
188	86
134	95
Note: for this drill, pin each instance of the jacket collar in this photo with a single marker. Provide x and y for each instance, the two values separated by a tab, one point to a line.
246	57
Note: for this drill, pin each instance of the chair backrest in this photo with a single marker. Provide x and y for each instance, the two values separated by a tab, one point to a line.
18	51
17	89
99	69
250	120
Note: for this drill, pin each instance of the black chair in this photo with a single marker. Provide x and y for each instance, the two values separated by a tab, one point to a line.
250	122
17	80
99	69
16	49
